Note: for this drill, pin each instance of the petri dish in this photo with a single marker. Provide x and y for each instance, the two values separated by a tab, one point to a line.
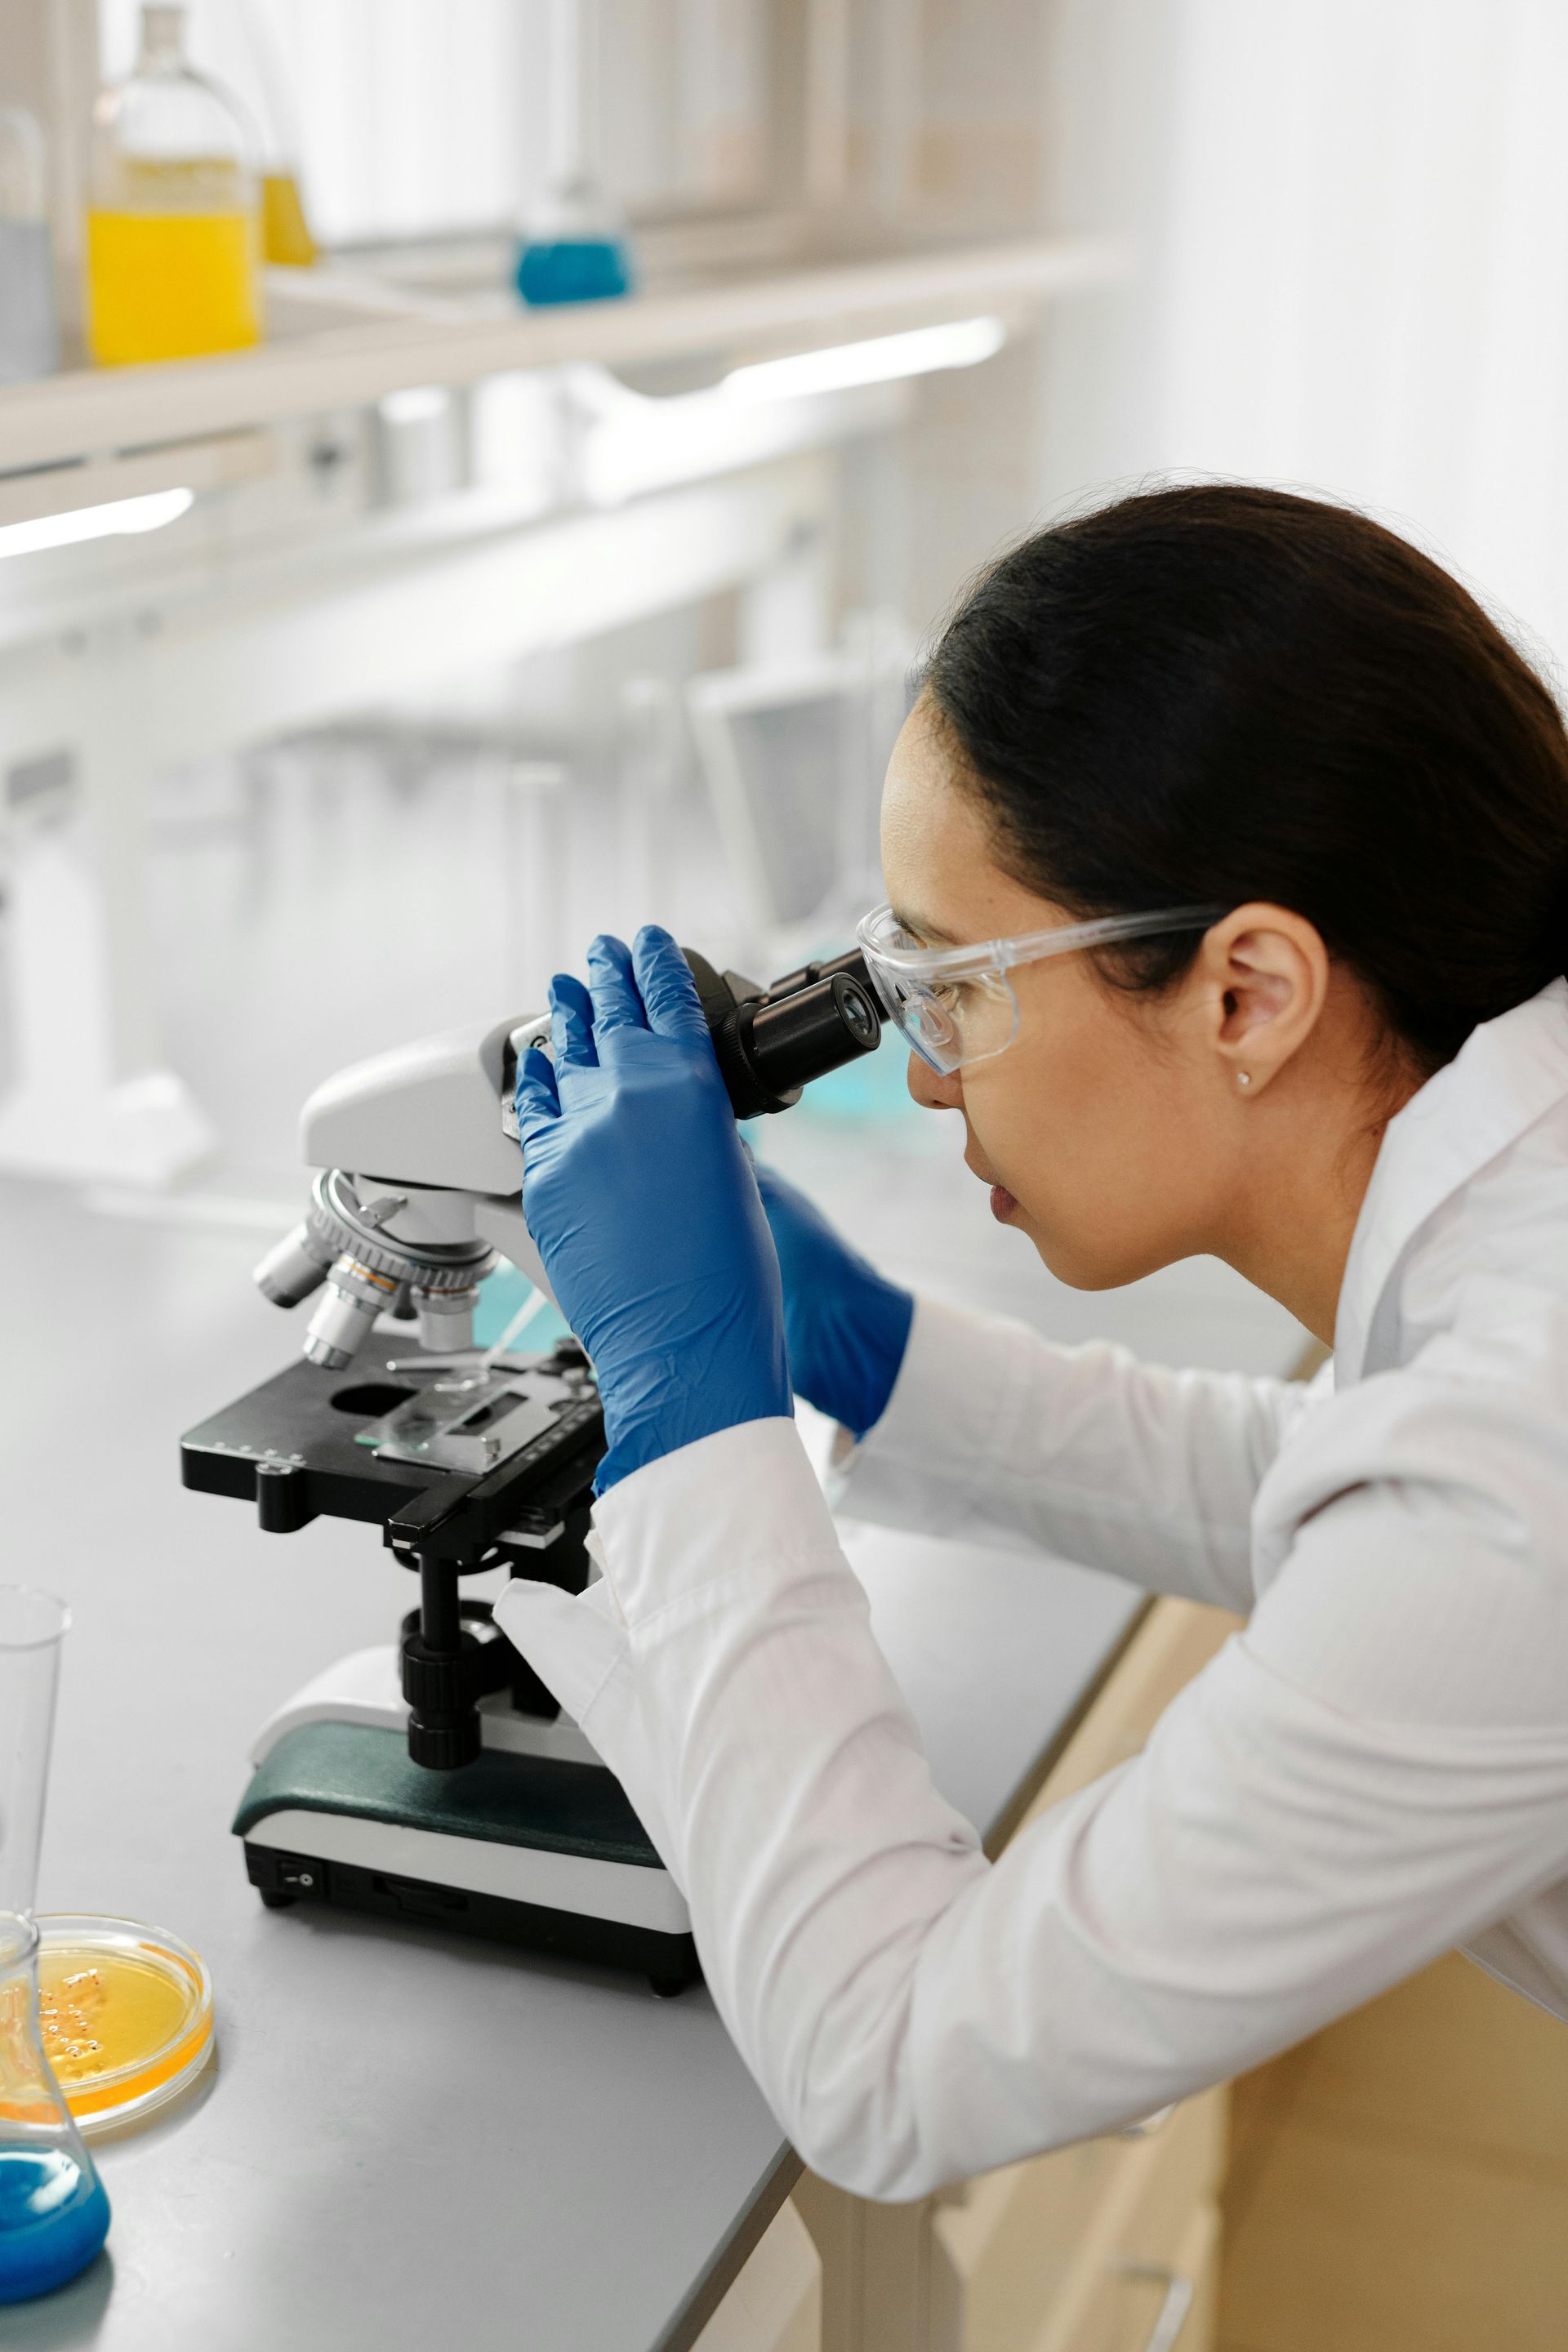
126	2014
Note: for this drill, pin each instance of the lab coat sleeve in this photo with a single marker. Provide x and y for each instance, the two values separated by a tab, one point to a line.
994	1432
1312	1819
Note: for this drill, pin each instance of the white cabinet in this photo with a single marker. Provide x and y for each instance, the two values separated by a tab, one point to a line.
1111	2246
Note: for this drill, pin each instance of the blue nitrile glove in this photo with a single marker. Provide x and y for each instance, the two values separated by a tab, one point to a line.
848	1326
640	1196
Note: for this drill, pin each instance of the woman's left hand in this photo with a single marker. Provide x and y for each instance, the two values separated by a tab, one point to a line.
642	1201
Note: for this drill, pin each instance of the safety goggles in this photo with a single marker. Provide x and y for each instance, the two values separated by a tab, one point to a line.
956	1006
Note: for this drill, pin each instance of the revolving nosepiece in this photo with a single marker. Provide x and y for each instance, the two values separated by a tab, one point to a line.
814	1030
346	1250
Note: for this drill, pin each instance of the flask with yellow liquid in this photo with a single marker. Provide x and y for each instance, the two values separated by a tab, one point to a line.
172	225
286	238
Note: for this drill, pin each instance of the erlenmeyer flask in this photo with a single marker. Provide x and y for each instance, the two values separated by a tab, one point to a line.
286	238
573	247
53	2214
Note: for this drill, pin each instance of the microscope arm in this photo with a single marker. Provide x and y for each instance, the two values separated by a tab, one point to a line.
425	1116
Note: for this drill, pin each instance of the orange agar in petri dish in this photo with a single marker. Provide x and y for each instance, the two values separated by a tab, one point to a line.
125	2013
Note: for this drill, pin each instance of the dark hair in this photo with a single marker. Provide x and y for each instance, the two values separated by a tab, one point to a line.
1221	693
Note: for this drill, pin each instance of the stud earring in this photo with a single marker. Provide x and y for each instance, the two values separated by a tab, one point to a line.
1244	1077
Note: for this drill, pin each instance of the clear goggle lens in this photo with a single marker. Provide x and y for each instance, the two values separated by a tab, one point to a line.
949	1023
955	1006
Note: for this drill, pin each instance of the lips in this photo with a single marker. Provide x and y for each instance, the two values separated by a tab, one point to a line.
1003	1204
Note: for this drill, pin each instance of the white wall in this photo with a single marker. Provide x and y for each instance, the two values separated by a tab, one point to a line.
1360	255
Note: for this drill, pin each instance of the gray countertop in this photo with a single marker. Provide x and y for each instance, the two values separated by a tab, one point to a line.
406	2142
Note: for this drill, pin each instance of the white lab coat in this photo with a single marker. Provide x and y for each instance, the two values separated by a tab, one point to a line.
1374	1770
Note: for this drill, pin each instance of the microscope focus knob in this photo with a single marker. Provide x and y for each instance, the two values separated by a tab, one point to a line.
441	1687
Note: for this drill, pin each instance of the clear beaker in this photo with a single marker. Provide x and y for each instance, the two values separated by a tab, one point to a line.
29	332
54	2215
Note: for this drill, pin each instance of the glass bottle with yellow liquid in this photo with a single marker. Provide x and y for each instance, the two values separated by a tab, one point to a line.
172	225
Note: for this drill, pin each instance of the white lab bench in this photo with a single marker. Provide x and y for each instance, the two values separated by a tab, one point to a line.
407	2141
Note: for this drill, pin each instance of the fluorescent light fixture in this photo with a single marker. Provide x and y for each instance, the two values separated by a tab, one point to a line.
921	351
119	516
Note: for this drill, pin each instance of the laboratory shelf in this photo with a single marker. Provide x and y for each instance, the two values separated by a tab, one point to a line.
342	341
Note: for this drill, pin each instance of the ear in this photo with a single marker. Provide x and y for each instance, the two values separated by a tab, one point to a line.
1265	974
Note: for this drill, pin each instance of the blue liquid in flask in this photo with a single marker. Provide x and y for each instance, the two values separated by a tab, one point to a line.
573	269
54	2217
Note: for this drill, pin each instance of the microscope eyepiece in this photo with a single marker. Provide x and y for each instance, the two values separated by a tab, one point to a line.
773	1042
805	1035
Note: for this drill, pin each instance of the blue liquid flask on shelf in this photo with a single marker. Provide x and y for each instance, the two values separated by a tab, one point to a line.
573	243
573	251
54	2215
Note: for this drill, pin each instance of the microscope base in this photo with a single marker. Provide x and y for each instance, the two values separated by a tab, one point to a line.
523	1848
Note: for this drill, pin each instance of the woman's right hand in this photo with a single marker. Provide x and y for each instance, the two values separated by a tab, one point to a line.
845	1326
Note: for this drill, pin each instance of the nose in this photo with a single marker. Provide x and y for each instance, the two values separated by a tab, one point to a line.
933	1091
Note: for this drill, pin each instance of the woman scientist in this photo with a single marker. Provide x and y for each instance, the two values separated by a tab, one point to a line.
1227	853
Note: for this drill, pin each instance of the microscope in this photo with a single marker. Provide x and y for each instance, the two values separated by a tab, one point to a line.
435	1778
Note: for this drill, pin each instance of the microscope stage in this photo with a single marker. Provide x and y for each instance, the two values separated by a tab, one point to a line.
310	1444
